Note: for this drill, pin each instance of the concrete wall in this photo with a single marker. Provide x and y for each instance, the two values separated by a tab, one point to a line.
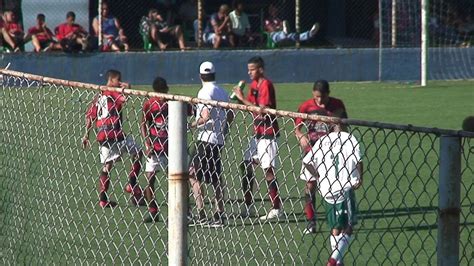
231	66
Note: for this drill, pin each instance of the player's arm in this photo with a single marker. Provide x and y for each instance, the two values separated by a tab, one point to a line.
311	169
360	169
300	135
144	130
91	116
204	116
240	96
95	26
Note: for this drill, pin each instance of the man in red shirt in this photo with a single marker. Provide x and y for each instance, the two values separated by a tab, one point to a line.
106	112
12	32
319	104
263	148
41	35
154	129
71	36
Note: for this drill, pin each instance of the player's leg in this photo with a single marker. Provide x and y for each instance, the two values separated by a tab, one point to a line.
215	168
310	206
278	36
152	166
196	175
129	146
104	183
8	39
267	150
179	35
217	41
248	178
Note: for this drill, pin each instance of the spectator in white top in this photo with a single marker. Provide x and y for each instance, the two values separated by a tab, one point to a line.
212	124
240	24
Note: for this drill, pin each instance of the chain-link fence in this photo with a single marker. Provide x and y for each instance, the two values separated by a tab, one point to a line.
51	210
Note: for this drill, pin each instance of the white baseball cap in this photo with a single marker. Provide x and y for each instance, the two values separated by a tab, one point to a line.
207	68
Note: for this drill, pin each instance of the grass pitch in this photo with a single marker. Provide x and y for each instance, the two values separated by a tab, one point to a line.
48	198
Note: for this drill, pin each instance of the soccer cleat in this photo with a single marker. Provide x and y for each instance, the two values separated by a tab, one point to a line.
273	214
331	262
248	211
107	204
314	29
310	228
216	223
151	218
286	26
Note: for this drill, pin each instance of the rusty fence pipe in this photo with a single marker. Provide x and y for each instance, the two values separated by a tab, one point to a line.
178	190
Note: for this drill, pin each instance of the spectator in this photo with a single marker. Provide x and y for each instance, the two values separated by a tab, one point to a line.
42	36
1	30
219	29
13	34
113	37
279	30
71	36
240	25
160	32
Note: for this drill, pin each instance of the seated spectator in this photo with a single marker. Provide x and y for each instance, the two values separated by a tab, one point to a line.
71	36
279	30
12	32
160	32
219	28
240	25
1	30
113	37
42	36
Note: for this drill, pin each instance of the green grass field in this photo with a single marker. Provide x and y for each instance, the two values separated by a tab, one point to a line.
48	196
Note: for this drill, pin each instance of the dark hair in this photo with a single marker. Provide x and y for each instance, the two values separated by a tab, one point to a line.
153	10
236	3
112	73
41	16
208	77
321	86
71	14
257	60
160	85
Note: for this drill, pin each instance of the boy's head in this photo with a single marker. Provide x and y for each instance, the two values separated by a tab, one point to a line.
160	85
207	71
114	77
321	92
70	17
255	67
40	19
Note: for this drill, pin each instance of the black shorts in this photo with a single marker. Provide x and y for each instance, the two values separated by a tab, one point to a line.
207	162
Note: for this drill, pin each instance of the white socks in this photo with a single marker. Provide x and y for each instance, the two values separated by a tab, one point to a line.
339	245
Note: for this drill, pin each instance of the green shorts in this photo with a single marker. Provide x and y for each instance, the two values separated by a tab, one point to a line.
342	215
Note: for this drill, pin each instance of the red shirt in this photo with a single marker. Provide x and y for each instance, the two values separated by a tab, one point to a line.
317	129
155	111
106	108
13	28
42	35
265	125
64	29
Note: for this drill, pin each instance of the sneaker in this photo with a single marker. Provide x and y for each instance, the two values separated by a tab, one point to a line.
310	228
273	214
202	220
286	26
216	223
107	204
247	211
151	218
314	29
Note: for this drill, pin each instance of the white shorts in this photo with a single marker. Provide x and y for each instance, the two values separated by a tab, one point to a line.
306	175
262	151
113	152
156	162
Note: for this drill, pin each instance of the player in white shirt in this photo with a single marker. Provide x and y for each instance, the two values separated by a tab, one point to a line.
212	125
335	160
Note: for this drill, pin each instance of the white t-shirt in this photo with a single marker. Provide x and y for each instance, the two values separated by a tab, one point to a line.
239	23
335	157
213	130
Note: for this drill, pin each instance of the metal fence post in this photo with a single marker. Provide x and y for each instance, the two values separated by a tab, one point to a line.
178	190
449	200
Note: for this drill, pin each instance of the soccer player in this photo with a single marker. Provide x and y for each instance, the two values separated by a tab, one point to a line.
154	129
212	125
320	104
263	147
106	111
335	161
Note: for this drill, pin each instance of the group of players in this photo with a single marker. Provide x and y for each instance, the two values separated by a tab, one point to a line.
332	162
